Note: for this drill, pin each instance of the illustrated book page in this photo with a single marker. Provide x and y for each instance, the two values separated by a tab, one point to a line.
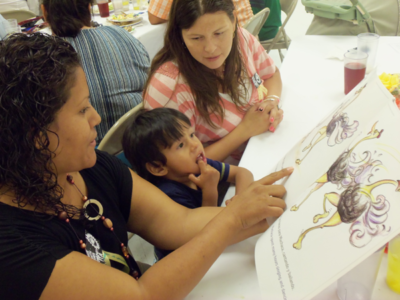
343	199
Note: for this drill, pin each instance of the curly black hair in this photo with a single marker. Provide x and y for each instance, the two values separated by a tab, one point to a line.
36	74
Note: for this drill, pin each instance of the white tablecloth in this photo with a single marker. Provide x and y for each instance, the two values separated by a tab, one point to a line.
312	86
151	36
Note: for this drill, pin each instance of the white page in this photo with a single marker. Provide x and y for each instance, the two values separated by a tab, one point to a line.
325	254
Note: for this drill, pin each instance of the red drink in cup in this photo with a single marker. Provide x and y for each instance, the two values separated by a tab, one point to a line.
354	68
353	74
103	9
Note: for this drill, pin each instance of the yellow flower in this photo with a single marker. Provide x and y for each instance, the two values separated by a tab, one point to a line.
390	81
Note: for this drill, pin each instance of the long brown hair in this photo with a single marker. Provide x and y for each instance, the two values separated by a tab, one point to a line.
202	81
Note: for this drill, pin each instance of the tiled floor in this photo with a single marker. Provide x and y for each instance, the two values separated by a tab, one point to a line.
296	26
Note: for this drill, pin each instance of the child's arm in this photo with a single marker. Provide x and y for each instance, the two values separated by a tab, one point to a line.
241	177
208	183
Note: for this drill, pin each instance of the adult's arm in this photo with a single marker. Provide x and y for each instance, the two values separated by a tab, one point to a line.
154	20
205	232
254	122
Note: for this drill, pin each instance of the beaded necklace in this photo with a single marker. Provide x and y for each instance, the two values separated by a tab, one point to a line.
63	216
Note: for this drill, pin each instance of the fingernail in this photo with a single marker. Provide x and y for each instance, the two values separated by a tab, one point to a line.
277	100
290	169
271	128
271	120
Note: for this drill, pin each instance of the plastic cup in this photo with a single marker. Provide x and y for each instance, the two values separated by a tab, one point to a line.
125	5
368	43
118	7
137	5
358	284
103	8
393	273
354	68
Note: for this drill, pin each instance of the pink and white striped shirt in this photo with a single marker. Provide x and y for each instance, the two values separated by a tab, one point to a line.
168	88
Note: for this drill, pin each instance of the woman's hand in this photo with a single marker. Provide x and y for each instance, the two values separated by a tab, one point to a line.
256	121
259	201
275	113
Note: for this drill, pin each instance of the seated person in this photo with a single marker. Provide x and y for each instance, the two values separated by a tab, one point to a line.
115	62
271	26
65	207
159	11
218	75
162	148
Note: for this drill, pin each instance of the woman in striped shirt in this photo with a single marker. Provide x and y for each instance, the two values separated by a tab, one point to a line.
115	63
217	74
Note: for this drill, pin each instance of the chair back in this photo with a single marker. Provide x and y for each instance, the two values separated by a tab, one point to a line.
288	6
256	22
112	141
281	40
20	15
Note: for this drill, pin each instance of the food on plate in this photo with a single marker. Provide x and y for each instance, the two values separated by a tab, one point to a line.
122	17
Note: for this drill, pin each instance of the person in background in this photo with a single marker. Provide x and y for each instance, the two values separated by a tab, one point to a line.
115	62
271	26
218	75
159	10
162	148
65	207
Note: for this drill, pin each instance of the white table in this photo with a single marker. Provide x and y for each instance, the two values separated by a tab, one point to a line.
312	87
151	36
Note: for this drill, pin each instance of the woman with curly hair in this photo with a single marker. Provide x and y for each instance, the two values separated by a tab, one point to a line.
114	61
217	74
65	207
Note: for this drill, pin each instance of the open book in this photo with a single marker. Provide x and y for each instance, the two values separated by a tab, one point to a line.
343	199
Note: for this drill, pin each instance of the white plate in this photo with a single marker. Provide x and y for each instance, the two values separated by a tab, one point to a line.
134	19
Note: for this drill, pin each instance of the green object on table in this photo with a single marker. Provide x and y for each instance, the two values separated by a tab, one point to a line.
355	13
271	26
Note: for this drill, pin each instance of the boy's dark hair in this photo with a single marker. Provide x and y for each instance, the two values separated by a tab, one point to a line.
150	132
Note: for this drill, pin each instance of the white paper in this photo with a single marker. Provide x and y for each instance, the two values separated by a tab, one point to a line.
308	248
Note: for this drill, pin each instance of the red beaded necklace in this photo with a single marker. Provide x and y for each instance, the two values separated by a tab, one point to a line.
63	215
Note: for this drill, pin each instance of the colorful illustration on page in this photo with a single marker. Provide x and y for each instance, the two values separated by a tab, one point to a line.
356	203
336	131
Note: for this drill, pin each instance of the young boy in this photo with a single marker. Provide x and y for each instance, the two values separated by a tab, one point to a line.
163	149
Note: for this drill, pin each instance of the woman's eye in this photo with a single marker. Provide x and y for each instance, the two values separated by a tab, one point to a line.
195	39
192	135
84	110
218	33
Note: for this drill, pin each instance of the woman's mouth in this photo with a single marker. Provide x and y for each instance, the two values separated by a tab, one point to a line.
214	58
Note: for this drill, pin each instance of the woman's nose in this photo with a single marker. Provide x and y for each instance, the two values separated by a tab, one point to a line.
96	119
209	46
